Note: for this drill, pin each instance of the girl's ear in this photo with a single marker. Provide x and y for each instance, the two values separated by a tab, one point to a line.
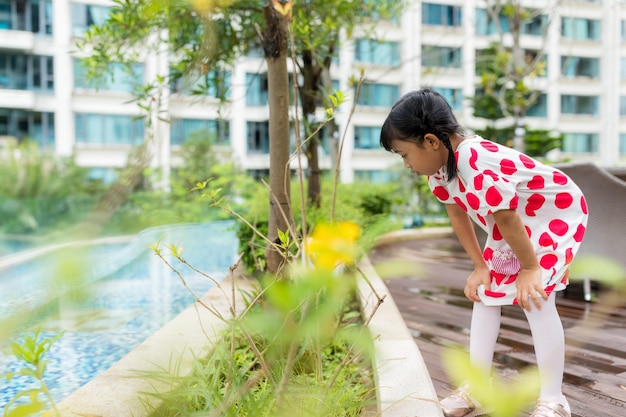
431	141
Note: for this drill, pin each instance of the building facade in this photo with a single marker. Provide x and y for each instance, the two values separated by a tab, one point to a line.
45	96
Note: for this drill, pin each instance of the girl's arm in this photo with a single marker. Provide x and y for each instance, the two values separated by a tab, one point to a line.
529	279
464	230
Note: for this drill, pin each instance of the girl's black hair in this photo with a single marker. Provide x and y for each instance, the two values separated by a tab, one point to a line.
418	113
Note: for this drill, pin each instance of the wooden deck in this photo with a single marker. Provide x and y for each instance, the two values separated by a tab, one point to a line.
432	303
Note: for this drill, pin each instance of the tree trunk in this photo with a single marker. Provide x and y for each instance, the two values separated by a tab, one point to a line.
309	91
275	40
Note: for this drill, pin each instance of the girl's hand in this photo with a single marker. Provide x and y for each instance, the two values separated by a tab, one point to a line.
477	277
529	288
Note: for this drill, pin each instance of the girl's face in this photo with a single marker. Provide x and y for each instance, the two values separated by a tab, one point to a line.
424	159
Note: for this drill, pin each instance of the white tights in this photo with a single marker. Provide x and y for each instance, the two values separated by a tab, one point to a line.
548	339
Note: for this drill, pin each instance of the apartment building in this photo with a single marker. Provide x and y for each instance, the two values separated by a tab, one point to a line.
45	96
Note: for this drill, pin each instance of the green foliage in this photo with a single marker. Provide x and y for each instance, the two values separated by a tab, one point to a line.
367	205
303	350
601	269
31	350
501	398
539	142
40	191
145	209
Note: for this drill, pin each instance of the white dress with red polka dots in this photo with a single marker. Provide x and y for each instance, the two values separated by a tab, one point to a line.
492	177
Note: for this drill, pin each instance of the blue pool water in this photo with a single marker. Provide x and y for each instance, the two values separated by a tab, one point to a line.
132	294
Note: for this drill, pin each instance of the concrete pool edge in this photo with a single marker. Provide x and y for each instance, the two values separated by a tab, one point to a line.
117	392
404	386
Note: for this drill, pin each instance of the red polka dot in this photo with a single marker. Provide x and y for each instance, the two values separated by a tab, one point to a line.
558	227
493	196
534	203
481	219
583	204
536	183
549	289
490	146
488	254
569	256
460	203
494	294
559	178
461	186
507	167
580	232
497	277
528	231
441	193
492	174
511	279
514	202
528	162
548	261
473	159
496	235
563	200
478	182
456	158
545	240
473	201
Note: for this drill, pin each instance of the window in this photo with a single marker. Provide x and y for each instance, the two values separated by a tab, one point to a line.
119	77
102	174
367	137
485	24
257	89
622	105
214	83
580	29
536	26
441	56
576	66
379	95
86	15
454	97
571	104
258	137
26	72
580	142
622	69
29	15
108	129
375	176
372	51
183	130
539	108
22	124
623	30
441	14
622	143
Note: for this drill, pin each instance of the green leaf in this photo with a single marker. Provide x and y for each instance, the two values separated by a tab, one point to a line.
598	268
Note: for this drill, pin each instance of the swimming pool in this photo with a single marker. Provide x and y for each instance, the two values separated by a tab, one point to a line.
133	293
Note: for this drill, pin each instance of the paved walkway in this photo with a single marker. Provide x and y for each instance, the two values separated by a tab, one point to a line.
431	301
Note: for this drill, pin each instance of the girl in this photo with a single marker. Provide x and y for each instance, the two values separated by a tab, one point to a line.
534	217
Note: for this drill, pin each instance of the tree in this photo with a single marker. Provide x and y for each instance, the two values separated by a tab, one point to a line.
318	25
275	41
506	68
204	38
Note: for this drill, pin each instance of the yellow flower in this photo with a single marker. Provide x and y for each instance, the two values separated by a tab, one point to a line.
334	244
206	6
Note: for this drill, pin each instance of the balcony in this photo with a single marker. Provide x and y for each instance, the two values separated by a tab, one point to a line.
17	99
17	40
